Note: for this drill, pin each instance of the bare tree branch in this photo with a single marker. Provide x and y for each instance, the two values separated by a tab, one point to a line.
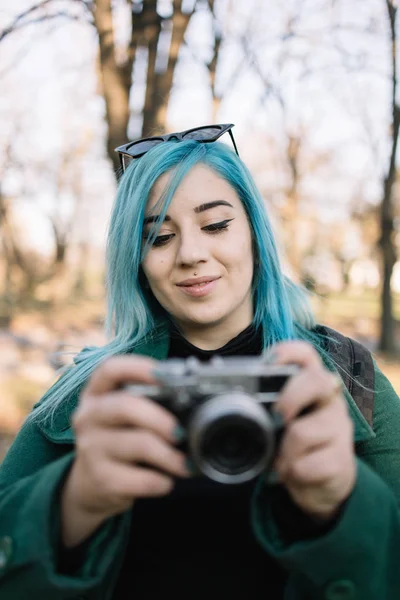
24	14
19	22
270	88
20	55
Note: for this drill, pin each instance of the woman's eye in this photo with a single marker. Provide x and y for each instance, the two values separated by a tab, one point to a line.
160	240
217	227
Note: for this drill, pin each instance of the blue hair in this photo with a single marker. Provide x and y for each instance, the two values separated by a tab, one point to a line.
281	307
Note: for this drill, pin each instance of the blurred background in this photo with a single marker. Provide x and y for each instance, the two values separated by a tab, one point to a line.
311	86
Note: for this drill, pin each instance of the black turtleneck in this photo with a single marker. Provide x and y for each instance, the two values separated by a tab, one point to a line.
248	342
197	542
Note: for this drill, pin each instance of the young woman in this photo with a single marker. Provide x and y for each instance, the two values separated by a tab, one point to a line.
97	499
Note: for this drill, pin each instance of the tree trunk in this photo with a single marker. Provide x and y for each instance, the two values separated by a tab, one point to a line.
116	81
152	29
290	212
159	85
7	311
212	67
386	242
180	22
80	286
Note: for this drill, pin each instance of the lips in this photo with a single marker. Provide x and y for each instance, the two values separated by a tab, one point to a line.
199	289
197	281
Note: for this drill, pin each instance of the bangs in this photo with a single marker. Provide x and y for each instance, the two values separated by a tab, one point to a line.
176	174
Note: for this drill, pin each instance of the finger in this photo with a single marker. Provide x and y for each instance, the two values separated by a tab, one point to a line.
294	352
150	483
325	464
117	370
121	409
144	447
122	481
318	467
311	387
309	432
308	469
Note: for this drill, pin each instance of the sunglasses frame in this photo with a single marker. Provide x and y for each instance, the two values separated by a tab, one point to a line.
179	136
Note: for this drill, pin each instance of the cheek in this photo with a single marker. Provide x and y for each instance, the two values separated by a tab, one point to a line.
154	268
241	255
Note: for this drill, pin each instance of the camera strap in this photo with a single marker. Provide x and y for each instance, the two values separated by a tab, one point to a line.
356	368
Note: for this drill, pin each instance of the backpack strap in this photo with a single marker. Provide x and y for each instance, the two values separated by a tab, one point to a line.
356	369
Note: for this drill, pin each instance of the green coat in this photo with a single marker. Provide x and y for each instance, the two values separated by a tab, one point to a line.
359	558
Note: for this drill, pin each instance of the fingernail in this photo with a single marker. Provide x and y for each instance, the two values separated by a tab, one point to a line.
157	373
278	416
272	478
190	466
179	433
270	356
276	409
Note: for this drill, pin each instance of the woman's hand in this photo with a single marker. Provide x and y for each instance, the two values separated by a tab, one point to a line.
316	460
124	448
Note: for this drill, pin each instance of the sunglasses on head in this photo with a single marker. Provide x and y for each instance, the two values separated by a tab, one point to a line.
206	133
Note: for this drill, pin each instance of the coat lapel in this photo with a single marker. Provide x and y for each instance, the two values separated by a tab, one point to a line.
59	430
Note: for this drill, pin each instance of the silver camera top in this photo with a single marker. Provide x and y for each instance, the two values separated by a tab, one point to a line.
232	366
181	379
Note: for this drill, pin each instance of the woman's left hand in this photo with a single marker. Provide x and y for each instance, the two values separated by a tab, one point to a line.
316	460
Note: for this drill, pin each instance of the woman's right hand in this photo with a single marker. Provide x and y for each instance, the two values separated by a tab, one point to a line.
124	448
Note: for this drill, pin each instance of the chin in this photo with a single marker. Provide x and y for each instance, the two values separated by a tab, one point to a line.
205	320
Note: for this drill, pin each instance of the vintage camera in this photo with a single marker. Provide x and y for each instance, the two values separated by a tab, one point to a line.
225	406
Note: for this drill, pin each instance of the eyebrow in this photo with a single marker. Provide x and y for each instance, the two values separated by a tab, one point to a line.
197	210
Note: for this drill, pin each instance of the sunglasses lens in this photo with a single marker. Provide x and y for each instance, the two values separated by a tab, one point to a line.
142	147
137	150
202	134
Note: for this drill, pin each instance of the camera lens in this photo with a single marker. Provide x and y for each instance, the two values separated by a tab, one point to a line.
231	438
232	444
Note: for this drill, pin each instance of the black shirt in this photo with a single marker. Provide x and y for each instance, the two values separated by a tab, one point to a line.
197	542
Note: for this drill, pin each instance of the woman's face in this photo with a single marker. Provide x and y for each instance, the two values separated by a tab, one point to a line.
205	238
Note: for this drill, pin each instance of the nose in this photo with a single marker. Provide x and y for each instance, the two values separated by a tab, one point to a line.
192	249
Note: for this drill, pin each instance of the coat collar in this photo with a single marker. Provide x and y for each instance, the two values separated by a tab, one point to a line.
362	429
60	431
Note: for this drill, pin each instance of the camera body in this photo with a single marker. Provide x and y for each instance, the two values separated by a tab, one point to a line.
226	408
